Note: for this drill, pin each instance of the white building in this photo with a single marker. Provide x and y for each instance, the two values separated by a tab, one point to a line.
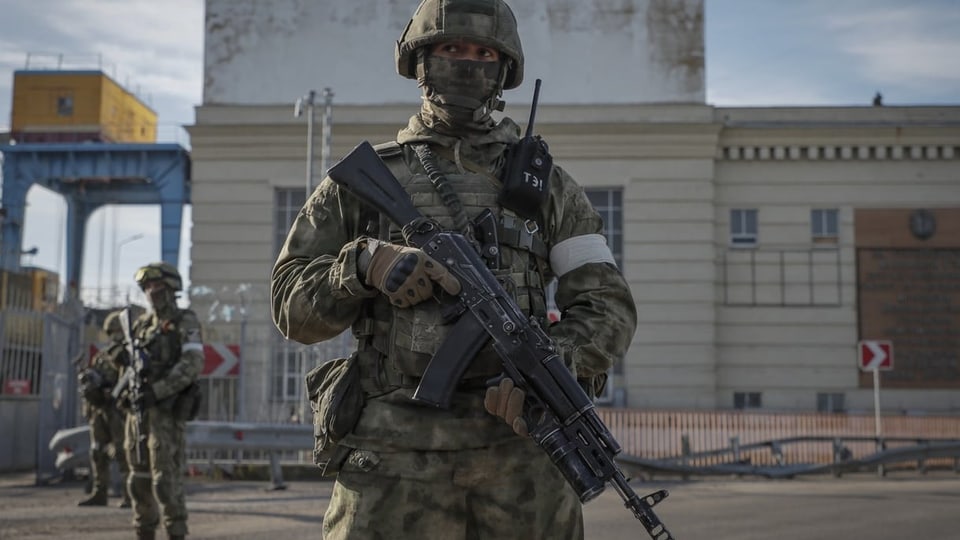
761	244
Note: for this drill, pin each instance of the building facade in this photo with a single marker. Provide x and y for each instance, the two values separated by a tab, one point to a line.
761	244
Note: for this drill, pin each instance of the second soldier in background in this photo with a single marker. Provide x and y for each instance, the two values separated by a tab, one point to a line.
105	419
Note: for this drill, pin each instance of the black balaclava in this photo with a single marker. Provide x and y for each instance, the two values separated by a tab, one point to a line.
459	95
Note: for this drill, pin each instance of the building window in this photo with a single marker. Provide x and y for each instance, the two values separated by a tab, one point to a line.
287	204
830	402
609	204
743	227
287	370
747	400
65	105
824	225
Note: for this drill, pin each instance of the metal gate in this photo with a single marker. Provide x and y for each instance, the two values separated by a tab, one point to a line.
38	393
58	389
21	335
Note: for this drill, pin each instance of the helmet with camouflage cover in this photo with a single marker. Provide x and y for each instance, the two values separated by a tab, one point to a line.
485	22
163	271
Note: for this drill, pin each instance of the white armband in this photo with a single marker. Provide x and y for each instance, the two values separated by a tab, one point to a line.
187	347
575	252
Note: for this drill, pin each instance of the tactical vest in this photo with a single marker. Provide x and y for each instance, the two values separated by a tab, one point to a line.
404	340
162	343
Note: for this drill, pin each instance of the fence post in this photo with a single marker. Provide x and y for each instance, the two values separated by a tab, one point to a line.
776	450
685	452
840	454
922	462
881	447
276	472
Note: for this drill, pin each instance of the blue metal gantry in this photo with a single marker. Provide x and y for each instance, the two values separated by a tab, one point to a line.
90	175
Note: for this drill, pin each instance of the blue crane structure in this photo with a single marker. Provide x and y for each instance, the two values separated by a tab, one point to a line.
89	175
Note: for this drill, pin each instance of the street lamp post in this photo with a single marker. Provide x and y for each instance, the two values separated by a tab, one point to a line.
116	260
325	131
307	103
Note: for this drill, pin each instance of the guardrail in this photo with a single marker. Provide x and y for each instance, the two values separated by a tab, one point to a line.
738	459
767	458
72	446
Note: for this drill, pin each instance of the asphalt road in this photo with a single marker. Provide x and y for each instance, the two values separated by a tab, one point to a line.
862	506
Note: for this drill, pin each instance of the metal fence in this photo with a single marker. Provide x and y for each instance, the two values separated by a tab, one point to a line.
669	434
774	445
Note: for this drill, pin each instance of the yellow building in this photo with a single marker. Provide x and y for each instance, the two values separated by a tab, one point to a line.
74	106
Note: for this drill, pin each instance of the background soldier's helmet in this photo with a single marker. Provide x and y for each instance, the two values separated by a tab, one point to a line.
162	271
111	324
486	22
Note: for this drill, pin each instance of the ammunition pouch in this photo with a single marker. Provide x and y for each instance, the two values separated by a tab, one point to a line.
336	399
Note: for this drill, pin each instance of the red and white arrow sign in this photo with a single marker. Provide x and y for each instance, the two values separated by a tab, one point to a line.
219	359
875	355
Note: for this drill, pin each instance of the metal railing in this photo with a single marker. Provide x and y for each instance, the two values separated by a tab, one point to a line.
233	439
685	443
768	458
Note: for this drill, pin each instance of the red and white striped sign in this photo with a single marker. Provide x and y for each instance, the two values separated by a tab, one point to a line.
219	359
874	354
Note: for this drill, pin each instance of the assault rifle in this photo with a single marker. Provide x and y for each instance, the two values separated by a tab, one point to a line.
561	417
133	382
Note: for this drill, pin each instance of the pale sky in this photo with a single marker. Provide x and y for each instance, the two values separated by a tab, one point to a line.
758	52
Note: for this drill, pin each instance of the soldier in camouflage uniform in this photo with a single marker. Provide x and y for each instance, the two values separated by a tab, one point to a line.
171	340
105	419
410	471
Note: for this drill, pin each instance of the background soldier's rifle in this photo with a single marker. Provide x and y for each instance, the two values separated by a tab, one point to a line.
133	382
561	417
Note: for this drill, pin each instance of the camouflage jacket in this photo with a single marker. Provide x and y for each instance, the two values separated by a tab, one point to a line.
174	350
105	363
317	294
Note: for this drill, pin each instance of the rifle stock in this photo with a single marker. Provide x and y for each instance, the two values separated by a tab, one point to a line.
561	417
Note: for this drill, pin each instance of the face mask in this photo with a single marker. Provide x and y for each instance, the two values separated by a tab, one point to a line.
162	300
460	94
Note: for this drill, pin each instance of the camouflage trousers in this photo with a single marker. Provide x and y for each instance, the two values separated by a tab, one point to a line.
106	444
508	491
156	482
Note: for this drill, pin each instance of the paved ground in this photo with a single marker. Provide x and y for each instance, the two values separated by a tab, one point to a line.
863	506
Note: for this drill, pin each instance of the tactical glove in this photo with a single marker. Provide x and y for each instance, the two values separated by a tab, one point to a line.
506	401
405	274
